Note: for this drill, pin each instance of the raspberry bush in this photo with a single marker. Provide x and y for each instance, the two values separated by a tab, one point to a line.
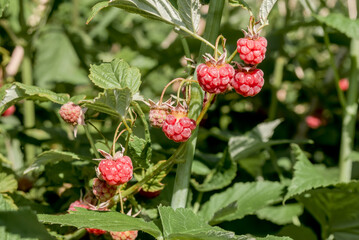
181	119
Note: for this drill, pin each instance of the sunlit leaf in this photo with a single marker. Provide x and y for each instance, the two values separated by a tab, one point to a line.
189	12
341	23
265	9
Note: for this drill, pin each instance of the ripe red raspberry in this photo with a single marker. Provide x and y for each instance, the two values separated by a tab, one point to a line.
313	122
127	235
115	170
71	113
8	112
252	50
248	83
178	127
149	195
78	203
102	190
344	84
215	76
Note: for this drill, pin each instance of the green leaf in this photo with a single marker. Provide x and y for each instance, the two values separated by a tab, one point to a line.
154	184
281	215
8	183
12	93
341	23
265	9
3	5
240	3
116	74
140	151
308	176
269	237
297	232
189	12
56	60
114	102
240	200
199	168
152	9
108	221
53	156
220	177
23	223
6	203
182	223
254	163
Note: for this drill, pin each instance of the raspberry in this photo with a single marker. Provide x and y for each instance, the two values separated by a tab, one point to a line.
252	50
117	170
214	76
102	190
344	84
178	127
149	195
313	122
95	231
71	113
8	112
248	83
158	112
78	203
127	235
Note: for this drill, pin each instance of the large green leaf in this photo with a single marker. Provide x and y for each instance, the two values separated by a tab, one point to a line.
153	9
12	93
140	151
336	209
8	183
116	74
308	176
240	200
220	177
281	215
114	102
109	221
341	23
265	9
189	12
56	60
184	224
3	5
22	224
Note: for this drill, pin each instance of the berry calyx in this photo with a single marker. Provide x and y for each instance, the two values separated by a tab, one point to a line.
248	82
214	76
8	112
178	127
127	235
115	170
72	113
102	190
252	49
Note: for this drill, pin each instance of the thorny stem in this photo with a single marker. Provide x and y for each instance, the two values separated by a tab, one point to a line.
179	91
168	84
126	126
89	137
197	204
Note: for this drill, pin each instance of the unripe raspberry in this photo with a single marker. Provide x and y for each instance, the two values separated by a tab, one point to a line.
252	50
178	127
115	170
102	190
248	83
71	113
8	112
127	235
313	122
344	84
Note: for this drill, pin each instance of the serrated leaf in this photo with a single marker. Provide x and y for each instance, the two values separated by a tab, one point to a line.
8	183
116	74
189	12
140	151
53	156
341	23
265	9
152	9
240	200
114	102
240	3
6	203
24	223
12	93
220	177
308	176
3	5
109	221
184	224
280	215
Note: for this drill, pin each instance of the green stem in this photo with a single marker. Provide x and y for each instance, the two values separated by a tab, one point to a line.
99	132
277	81
230	59
75	12
89	137
76	235
205	109
197	204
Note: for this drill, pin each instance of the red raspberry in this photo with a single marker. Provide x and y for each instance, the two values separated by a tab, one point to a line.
116	171
102	190
149	195
178	127
344	84
78	203
95	231
71	113
8	112
252	50
214	78
313	122
248	83
127	235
